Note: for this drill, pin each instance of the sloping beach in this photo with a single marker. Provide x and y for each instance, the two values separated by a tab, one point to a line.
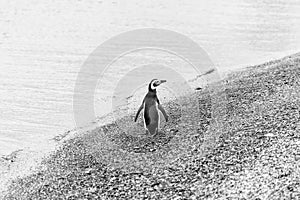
239	139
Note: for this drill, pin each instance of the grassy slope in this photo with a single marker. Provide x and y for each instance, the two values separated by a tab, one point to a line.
250	149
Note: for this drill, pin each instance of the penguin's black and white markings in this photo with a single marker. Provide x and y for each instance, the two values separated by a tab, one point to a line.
151	105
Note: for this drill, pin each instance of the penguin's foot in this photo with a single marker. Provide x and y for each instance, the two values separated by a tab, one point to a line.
156	133
147	133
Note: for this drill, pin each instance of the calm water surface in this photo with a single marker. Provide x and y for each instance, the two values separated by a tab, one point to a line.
44	44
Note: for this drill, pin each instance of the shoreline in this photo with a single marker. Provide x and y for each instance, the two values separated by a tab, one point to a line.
223	75
77	133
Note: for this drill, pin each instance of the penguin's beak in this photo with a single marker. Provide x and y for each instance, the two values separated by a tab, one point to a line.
163	81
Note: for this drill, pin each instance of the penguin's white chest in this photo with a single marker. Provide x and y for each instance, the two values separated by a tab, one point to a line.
153	113
153	118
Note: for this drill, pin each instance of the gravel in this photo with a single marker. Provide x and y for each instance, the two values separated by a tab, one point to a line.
240	143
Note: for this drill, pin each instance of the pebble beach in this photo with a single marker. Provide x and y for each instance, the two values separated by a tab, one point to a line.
239	139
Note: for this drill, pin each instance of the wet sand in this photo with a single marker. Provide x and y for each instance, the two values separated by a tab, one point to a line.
238	139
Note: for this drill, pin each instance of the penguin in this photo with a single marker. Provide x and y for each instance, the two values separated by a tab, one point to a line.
152	106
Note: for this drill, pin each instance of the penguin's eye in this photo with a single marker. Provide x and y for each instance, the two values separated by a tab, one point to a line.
156	83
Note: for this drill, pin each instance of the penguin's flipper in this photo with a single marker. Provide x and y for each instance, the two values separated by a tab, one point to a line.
163	112
138	112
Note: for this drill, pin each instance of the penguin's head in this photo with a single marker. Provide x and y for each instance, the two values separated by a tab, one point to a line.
154	84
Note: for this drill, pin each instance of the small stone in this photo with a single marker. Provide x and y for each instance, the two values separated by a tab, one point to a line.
88	171
269	135
92	190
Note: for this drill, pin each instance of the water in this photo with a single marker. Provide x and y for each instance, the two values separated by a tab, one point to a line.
44	44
